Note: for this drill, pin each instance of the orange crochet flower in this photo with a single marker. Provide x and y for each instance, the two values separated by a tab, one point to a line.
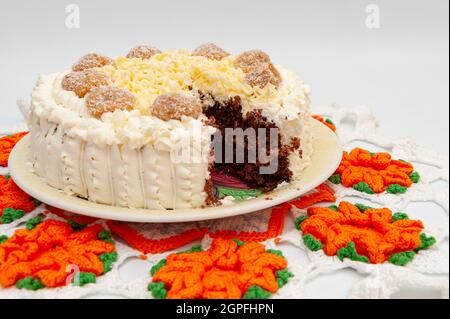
226	270
374	172
6	145
13	197
44	253
370	233
327	122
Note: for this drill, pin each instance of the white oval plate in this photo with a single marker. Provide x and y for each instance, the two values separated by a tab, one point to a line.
325	159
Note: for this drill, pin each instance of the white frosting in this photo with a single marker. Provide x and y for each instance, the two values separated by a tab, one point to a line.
124	159
49	101
115	174
290	111
129	159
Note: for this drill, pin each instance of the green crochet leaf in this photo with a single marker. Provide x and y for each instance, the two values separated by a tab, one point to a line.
33	222
415	177
105	235
312	243
349	251
396	189
158	266
84	278
364	188
299	220
256	292
283	277
158	290
335	179
193	249
3	238
399	216
425	242
401	259
275	252
10	214
108	260
76	226
238	242
30	283
333	207
362	208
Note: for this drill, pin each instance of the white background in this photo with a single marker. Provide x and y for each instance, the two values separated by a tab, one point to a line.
400	69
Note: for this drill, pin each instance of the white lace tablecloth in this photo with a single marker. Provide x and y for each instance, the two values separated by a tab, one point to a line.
316	275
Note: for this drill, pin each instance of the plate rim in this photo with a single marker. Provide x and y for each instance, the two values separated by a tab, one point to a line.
20	172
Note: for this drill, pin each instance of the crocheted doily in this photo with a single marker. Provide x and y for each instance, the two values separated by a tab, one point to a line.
141	246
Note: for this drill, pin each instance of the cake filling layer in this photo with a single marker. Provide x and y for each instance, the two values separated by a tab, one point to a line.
245	162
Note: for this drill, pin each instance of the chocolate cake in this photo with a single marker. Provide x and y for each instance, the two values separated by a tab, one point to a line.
146	130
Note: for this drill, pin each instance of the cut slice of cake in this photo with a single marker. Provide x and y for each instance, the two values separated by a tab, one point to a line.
146	130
